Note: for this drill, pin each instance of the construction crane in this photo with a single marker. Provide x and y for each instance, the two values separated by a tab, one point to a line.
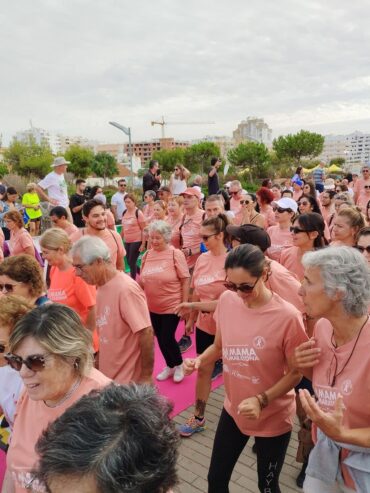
163	123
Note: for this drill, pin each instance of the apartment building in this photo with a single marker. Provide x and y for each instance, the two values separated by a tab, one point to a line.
145	149
253	129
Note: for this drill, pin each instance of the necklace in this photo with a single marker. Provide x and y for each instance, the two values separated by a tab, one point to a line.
336	374
67	395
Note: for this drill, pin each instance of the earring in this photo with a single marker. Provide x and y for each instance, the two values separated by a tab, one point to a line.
76	364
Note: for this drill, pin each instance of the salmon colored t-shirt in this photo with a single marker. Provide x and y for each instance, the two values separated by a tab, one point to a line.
256	344
190	232
208	283
280	239
70	229
269	216
285	284
161	275
352	380
363	201
69	289
121	313
111	238
19	241
291	258
131	229
358	187
31	418
148	213
175	225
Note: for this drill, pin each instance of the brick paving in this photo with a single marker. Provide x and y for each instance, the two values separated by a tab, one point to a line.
195	454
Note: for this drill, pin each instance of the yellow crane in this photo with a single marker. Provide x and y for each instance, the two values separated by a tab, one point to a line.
162	122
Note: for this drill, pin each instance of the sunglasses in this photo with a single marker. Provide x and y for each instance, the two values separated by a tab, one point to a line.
365	171
234	193
362	249
280	210
246	202
206	238
35	362
243	288
8	287
295	230
303	203
122	184
366	186
2	348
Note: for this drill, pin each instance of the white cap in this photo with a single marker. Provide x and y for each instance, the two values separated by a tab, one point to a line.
286	203
59	161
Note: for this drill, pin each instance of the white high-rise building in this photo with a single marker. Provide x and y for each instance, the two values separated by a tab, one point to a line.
253	129
354	148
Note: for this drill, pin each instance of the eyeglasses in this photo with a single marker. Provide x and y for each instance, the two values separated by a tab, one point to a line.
206	238
243	288
8	287
303	203
176	169
362	249
2	348
79	266
280	210
234	193
246	202
35	362
295	230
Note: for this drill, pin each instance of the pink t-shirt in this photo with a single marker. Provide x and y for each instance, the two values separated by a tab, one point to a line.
291	258
148	213
359	189
285	284
111	238
352	380
269	216
121	313
175	225
70	229
31	418
19	241
131	230
110	219
327	213
190	232
161	275
256	344
280	239
363	200
208	283
69	289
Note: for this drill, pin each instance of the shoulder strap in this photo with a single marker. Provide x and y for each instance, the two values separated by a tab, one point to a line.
115	239
180	228
137	213
124	212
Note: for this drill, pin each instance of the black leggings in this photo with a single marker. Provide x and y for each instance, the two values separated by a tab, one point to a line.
229	444
132	254
164	327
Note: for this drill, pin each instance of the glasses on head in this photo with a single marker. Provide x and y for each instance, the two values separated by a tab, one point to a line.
234	193
243	288
2	348
35	362
281	210
9	288
206	238
246	202
303	203
295	230
362	249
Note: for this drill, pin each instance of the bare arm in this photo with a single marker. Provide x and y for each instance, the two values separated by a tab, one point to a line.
8	484
29	251
90	319
44	196
113	208
146	343
195	305
213	171
119	262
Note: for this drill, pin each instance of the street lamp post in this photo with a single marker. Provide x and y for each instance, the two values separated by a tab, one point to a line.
127	131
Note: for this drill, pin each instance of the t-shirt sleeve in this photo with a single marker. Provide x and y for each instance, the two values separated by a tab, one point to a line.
141	218
181	265
295	334
134	309
74	201
46	182
114	200
26	241
121	251
85	293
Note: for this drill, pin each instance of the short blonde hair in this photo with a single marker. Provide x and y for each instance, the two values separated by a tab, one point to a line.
12	309
59	330
55	238
31	186
179	199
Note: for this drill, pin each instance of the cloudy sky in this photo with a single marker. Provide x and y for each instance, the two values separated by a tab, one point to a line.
70	66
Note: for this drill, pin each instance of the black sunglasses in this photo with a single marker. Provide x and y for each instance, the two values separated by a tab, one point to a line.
8	287
246	202
205	238
281	210
243	288
2	348
366	186
234	193
295	230
303	203
35	362
362	249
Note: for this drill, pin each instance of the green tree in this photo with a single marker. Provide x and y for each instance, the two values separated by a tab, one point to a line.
168	158
251	155
339	161
81	158
25	158
4	170
105	165
296	147
197	157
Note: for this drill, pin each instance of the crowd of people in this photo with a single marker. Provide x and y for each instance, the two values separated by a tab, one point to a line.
275	286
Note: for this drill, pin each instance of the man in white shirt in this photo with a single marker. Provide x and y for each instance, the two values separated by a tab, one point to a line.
118	205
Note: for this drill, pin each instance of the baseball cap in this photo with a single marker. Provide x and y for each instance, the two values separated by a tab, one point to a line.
286	203
329	184
59	161
194	191
249	233
298	182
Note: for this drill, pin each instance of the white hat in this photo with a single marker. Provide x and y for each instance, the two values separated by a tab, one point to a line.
286	203
329	184
59	161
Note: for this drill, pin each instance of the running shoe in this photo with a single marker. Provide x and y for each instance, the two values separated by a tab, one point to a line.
185	343
217	370
165	373
178	375
192	426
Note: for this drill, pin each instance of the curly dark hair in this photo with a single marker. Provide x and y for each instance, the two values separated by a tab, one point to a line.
26	269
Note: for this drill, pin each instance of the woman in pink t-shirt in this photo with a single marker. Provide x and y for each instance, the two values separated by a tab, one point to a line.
20	239
256	334
174	218
308	234
264	199
133	224
148	209
165	279
53	353
336	290
159	210
280	236
346	224
363	243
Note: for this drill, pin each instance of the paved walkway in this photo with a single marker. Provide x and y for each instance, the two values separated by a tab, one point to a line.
195	454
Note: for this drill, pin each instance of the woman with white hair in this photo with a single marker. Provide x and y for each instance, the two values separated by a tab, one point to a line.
165	279
336	290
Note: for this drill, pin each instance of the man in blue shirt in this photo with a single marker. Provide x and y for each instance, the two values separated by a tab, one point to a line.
318	176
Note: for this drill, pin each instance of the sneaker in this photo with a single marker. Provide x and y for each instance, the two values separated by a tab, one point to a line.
178	375
192	426
185	343
301	476
165	373
217	370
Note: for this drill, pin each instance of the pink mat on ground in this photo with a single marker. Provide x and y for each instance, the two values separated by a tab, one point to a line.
181	394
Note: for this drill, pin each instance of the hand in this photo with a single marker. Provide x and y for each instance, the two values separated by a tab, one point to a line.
191	364
183	309
305	355
36	207
142	248
186	252
250	408
330	423
53	202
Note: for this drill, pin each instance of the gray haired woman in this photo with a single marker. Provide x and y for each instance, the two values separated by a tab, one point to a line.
165	279
336	290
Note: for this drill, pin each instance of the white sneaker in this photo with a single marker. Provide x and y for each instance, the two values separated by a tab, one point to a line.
165	373
178	375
